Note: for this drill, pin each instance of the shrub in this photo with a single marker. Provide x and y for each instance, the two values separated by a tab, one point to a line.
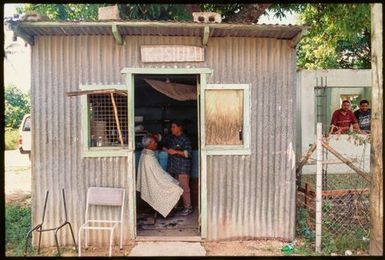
16	105
11	137
17	225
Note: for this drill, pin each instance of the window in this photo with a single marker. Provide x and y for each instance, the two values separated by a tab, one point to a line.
27	124
105	127
226	119
108	120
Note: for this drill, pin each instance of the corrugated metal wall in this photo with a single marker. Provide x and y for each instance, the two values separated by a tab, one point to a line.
254	196
248	196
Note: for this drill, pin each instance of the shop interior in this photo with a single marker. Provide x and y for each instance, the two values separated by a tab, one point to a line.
159	99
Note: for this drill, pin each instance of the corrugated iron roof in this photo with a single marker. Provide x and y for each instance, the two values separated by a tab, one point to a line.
160	28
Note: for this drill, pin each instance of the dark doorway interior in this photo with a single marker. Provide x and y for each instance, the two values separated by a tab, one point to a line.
154	112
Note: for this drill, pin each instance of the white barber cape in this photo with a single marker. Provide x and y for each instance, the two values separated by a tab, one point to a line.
156	187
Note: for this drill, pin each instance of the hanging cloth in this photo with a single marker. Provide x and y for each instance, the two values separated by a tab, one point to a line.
181	92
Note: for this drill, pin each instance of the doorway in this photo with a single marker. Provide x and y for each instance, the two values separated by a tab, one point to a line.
155	106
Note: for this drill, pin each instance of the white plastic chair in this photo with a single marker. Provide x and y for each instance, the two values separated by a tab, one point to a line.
102	196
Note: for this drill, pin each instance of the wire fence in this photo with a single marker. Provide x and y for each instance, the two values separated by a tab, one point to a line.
345	219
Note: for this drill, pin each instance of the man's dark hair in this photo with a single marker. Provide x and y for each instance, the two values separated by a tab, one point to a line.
346	101
364	101
177	122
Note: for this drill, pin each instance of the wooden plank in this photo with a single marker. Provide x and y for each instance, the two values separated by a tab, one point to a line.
131	158
166	70
105	152
116	34
203	160
332	193
318	203
99	91
376	158
313	162
305	158
363	174
329	193
117	119
206	33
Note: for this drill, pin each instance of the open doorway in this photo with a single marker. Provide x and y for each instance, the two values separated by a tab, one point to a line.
158	101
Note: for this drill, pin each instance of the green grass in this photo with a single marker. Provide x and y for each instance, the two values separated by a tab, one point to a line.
11	137
341	242
17	225
338	181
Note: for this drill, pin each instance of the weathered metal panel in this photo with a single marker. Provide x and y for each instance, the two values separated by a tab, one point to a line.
60	64
161	28
248	196
254	196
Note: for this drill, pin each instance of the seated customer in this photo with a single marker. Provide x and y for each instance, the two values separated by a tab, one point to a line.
363	116
343	118
156	187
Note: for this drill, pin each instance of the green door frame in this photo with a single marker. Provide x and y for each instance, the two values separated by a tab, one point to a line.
129	76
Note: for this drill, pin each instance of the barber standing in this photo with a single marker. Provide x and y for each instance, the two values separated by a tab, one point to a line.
179	162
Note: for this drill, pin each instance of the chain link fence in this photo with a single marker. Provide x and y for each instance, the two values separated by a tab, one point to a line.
345	215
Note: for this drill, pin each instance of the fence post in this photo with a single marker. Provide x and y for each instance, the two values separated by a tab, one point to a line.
318	200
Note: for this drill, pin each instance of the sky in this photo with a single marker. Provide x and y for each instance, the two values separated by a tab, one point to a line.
10	9
17	66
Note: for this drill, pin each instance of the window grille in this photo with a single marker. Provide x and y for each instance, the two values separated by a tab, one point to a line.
104	130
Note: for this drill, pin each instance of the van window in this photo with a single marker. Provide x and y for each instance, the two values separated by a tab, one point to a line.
27	124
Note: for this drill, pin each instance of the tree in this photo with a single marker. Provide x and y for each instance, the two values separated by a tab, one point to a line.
246	13
376	161
17	104
339	36
89	12
61	12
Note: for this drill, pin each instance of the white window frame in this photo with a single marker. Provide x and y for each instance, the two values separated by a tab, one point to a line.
87	150
243	149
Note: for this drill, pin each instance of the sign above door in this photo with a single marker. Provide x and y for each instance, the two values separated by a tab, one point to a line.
171	53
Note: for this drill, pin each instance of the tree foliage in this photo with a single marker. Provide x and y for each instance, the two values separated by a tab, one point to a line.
160	12
338	37
17	104
61	12
89	12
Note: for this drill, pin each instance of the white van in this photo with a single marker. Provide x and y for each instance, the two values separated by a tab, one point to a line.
25	134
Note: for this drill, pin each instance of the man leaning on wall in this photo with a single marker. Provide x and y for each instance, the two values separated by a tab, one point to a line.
363	116
343	119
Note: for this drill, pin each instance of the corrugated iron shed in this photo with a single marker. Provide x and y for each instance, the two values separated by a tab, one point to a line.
160	28
248	196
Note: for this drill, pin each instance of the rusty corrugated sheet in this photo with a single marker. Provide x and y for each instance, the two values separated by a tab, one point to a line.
248	196
160	28
60	64
254	196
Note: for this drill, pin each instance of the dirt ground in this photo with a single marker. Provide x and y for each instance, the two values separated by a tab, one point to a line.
17	183
227	248
244	248
18	189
